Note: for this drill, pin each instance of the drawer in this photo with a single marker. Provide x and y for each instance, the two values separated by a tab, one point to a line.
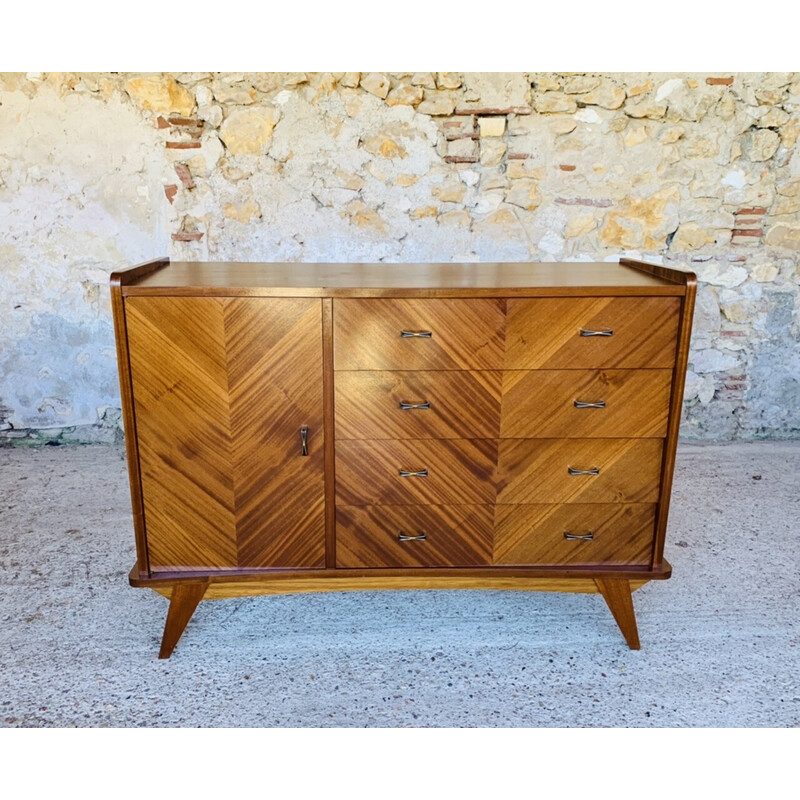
575	534
539	470
417	405
450	334
592	332
451	472
553	404
441	536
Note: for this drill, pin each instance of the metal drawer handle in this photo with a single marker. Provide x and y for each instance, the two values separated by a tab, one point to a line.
416	334
406	406
420	473
592	471
605	332
581	404
304	441
583	537
402	537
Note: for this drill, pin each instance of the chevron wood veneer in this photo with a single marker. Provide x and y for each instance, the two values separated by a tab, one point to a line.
538	470
458	471
455	536
460	405
542	403
296	427
541	334
464	334
613	533
221	391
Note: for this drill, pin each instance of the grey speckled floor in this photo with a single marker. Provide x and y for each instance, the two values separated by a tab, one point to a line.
720	640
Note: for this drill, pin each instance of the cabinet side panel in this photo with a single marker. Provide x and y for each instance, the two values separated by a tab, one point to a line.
180	391
129	419
274	354
676	408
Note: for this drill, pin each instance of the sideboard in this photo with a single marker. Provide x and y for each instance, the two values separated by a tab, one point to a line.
327	427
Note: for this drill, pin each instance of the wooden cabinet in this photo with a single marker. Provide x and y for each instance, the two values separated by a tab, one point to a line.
298	427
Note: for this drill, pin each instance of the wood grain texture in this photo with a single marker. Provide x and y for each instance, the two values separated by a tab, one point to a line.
274	363
534	534
329	426
541	403
126	395
184	599
165	581
217	484
177	350
463	405
398	280
545	333
536	470
466	334
669	274
617	594
675	411
379	581
457	536
460	472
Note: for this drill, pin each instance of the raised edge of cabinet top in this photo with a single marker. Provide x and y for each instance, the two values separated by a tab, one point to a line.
507	279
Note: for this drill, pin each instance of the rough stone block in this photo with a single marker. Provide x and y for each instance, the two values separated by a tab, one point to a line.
491	126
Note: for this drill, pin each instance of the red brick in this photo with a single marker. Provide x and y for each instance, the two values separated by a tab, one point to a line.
519	156
182	171
183	145
451	137
752	212
747	232
198	123
461	159
567	167
494	112
161	122
170	191
719	81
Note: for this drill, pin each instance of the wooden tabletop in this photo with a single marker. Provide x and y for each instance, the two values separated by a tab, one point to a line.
383	279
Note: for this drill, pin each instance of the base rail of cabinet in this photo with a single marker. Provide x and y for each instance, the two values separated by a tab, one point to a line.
186	591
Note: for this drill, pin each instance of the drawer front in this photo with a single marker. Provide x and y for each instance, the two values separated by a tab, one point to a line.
626	332
450	334
539	470
413	536
453	472
574	534
581	404
418	405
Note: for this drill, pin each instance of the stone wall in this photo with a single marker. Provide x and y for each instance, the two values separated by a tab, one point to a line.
98	171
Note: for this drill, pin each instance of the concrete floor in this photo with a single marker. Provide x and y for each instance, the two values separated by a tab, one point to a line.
719	640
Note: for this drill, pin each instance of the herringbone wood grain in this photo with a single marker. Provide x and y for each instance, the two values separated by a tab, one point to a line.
541	403
536	470
460	471
463	405
545	333
622	534
455	536
465	334
227	487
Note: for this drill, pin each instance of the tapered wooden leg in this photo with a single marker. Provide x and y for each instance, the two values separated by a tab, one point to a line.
617	594
183	602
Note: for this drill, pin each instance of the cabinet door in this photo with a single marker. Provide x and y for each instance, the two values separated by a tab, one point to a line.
222	388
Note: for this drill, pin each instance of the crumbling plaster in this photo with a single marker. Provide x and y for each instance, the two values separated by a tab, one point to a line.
100	171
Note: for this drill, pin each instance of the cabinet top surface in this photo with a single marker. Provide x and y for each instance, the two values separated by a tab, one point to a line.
357	279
